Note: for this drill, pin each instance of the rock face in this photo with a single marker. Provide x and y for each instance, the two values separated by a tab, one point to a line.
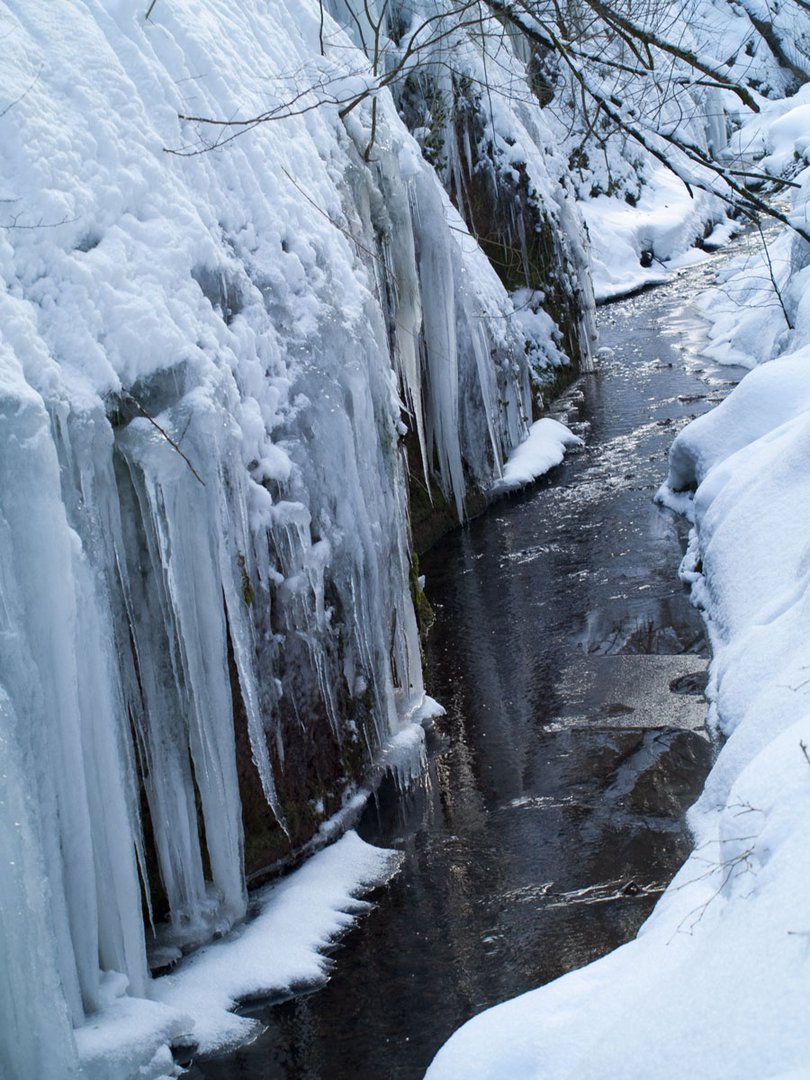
217	375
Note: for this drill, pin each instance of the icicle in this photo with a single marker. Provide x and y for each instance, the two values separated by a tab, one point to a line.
62	672
437	278
177	511
36	1034
400	260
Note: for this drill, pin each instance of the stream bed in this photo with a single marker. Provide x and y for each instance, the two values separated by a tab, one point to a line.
571	665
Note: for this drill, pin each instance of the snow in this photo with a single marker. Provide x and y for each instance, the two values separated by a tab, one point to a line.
776	137
716	984
280	949
430	709
665	222
770	396
753	306
207	365
789	138
543	448
632	203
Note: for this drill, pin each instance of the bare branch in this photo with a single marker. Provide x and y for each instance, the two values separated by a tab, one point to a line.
164	433
14	224
547	27
23	95
650	38
778	292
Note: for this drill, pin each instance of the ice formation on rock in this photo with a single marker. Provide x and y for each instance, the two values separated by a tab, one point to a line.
208	368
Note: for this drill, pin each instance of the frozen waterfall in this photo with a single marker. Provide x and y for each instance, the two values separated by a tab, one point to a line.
210	367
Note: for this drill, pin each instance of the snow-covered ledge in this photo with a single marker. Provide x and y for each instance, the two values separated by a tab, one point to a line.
542	449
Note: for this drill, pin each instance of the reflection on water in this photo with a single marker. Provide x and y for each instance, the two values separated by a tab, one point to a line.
551	817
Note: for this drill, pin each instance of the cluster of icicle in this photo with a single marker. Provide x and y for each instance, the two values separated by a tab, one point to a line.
207	365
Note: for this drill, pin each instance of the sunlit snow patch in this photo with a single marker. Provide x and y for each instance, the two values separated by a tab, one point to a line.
543	449
663	224
280	950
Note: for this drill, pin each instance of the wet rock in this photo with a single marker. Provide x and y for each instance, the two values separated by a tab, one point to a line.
674	778
692	683
184	1050
616	708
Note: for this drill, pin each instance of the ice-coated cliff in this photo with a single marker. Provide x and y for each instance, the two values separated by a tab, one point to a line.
217	371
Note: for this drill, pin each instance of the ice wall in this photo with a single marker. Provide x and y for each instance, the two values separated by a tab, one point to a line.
222	350
466	88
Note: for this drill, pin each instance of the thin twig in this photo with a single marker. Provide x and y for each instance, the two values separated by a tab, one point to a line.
39	225
164	433
772	276
330	219
25	92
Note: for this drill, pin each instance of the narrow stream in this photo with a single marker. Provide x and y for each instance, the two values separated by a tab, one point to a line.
571	665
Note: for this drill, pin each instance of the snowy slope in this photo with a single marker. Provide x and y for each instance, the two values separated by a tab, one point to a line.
716	984
641	219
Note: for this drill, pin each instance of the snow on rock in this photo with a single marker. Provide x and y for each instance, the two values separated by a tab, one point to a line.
776	137
658	230
281	948
754	306
768	397
129	1032
543	448
642	220
278	950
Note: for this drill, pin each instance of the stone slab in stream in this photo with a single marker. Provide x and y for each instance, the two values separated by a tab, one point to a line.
646	691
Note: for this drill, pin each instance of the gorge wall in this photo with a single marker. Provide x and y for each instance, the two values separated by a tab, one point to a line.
223	363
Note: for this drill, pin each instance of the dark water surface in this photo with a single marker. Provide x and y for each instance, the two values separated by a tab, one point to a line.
570	663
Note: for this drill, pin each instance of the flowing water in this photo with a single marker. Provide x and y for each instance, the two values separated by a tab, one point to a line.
571	665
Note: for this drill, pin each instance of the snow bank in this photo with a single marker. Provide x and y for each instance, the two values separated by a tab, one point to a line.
746	314
642	220
770	396
280	949
755	303
660	230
